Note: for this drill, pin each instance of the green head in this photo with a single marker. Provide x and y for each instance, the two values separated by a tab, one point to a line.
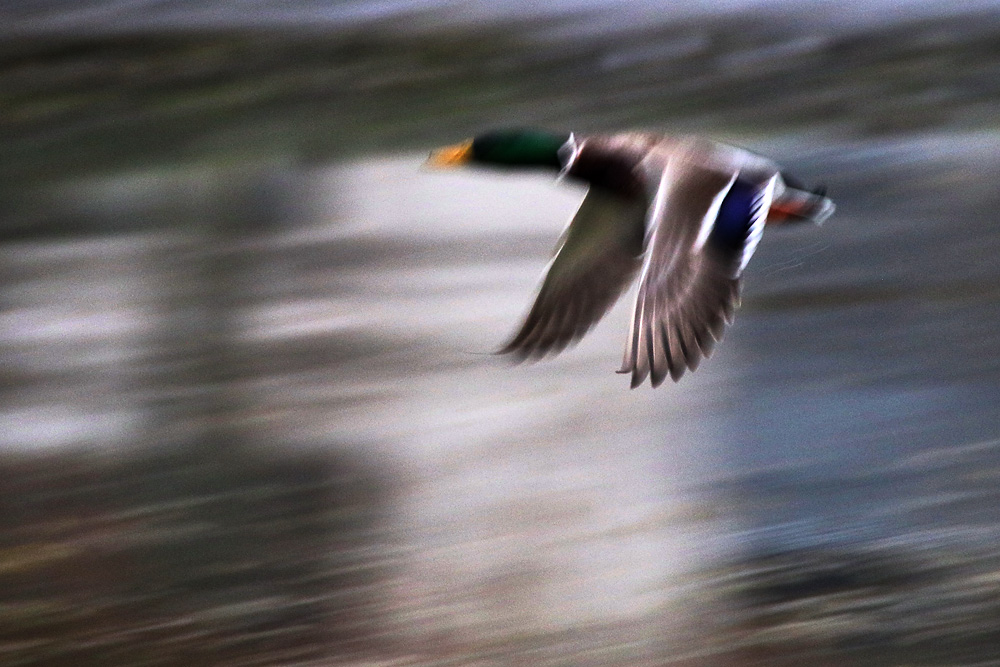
506	148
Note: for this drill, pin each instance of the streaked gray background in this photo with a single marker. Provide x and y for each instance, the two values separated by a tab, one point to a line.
249	414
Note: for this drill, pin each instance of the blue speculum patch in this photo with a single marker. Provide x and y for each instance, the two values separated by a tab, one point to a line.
732	226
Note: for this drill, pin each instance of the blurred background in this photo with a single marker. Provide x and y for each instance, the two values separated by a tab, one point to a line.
247	414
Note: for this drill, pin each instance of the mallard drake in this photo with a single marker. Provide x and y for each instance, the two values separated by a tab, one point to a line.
685	213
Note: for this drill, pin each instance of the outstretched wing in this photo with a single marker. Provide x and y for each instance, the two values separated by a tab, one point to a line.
595	261
706	224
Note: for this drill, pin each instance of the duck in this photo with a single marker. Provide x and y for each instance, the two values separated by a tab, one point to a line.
682	214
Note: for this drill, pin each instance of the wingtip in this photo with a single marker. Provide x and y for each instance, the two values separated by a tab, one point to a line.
654	382
506	349
517	354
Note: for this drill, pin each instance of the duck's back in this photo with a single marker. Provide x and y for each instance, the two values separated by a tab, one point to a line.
616	162
633	163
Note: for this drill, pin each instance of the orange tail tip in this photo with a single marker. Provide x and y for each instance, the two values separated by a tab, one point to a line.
800	206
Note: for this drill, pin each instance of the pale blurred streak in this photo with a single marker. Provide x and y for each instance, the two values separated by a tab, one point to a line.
248	410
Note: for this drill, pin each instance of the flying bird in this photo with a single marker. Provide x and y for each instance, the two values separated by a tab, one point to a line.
684	213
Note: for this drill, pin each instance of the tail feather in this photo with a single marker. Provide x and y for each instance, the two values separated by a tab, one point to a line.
796	204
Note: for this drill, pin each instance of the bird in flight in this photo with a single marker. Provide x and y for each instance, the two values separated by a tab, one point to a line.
685	214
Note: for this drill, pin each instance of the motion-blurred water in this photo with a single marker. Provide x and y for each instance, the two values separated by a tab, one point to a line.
251	417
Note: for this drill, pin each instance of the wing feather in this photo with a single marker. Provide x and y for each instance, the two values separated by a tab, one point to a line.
598	255
690	282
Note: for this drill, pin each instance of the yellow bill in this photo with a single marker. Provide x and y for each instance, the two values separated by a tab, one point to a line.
451	156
